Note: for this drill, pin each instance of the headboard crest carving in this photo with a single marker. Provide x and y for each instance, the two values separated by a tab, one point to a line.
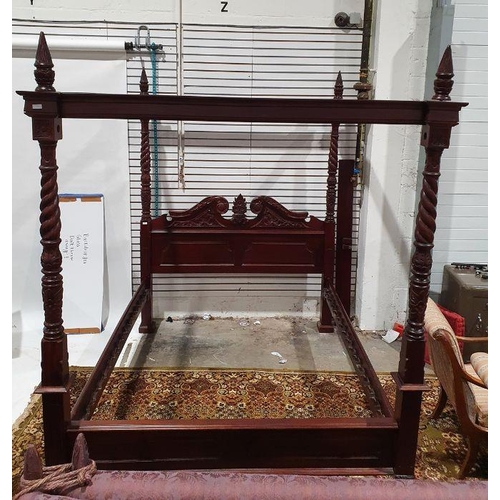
239	210
209	212
272	214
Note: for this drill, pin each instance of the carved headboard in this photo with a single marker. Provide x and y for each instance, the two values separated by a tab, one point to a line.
201	239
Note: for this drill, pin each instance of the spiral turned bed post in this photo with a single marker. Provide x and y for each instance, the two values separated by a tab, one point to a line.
410	376
54	386
325	323
147	324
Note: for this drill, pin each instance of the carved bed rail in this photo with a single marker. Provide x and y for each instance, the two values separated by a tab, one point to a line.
375	395
95	385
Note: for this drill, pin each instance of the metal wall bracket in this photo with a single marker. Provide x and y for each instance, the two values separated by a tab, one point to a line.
344	20
143	41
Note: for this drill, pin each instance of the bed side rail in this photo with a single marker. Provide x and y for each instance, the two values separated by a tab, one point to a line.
376	396
94	387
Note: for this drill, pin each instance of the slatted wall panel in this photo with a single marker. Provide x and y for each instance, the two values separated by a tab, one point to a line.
462	234
65	29
287	162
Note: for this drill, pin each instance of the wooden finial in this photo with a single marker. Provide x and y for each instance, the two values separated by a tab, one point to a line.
363	89
44	75
239	210
144	84
80	457
338	92
444	82
32	469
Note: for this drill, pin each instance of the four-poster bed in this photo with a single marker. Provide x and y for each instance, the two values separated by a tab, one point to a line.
273	239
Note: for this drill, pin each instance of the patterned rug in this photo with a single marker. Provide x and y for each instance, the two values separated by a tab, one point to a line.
211	393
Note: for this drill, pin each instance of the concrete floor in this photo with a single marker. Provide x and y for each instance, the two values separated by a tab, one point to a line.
199	343
249	343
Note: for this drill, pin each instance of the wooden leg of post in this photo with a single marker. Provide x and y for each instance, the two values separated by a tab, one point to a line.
407	407
56	412
325	323
408	411
147	323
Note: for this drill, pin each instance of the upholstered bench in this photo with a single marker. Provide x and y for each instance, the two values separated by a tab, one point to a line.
227	485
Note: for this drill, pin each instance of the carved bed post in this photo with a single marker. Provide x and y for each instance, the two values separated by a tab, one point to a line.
410	376
147	324
325	323
54	386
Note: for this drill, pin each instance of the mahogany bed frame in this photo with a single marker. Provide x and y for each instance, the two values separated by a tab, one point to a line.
202	240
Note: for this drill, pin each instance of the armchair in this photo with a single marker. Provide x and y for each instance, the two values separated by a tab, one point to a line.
460	384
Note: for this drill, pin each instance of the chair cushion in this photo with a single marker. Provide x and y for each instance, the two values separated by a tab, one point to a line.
479	361
457	323
435	321
480	397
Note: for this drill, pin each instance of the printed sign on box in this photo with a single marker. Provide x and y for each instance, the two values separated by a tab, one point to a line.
82	250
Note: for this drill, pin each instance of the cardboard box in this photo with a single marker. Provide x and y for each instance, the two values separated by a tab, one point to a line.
82	249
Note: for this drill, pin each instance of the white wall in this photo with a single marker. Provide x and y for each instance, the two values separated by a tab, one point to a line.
387	215
102	168
462	222
462	225
276	12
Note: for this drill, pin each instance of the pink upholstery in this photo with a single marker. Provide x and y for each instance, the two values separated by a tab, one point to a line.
480	397
479	361
226	485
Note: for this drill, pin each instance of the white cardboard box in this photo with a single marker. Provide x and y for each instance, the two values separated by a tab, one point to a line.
82	249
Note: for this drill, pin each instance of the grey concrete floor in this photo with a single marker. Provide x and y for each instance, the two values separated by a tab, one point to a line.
250	343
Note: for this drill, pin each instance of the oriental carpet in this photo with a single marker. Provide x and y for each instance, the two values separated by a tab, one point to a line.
214	393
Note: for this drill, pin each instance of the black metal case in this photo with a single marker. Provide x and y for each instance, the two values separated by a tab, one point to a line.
465	291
